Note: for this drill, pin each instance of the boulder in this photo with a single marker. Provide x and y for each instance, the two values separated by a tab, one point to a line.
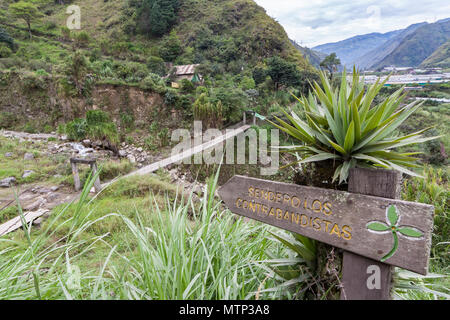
27	173
7	182
28	156
8	155
122	153
87	143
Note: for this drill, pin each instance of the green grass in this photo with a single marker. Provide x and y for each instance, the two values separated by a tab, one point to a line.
163	253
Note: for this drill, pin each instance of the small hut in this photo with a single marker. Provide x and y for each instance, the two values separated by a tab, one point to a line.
178	73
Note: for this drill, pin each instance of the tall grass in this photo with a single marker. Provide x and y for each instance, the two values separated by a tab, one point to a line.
189	252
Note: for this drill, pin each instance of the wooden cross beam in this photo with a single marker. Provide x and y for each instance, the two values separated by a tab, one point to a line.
93	164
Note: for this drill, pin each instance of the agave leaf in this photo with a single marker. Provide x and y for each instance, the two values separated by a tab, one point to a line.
337	172
366	157
400	119
298	134
403	170
322	96
375	119
300	125
357	122
343	175
349	138
335	129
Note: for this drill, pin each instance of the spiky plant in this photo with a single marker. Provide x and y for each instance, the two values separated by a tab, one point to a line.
345	125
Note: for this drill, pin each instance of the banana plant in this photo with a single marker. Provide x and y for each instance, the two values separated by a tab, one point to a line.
344	124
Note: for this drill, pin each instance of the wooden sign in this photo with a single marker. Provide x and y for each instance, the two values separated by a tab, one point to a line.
392	231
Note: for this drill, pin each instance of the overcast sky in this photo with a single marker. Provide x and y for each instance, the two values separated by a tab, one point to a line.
314	22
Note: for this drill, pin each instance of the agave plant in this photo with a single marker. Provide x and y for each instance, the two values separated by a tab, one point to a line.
345	125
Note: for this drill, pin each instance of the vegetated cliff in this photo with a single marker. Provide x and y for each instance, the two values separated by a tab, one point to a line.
229	38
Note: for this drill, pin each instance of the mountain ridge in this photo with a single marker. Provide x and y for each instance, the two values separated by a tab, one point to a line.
409	47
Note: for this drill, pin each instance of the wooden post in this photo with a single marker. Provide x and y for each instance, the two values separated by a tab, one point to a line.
245	120
97	184
254	119
76	177
357	269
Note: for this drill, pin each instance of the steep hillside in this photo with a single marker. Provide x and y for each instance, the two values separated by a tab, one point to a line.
374	56
418	46
350	49
314	57
133	45
439	58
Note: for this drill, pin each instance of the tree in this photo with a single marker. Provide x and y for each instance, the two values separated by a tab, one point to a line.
331	63
171	47
156	17
6	38
157	65
283	72
76	69
25	10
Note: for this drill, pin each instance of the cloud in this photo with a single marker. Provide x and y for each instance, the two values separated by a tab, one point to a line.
314	22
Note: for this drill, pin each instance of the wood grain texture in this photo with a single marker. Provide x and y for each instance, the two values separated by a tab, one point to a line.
382	183
349	211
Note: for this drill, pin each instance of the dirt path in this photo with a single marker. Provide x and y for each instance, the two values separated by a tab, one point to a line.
181	156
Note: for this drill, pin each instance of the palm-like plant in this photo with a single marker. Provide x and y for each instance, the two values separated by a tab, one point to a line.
345	125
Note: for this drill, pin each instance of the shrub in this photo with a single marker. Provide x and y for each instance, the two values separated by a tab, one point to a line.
171	97
82	39
130	71
65	32
6	38
76	129
153	82
171	47
247	83
5	51
97	126
7	119
187	86
156	65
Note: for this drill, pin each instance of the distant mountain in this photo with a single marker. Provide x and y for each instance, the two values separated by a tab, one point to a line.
314	57
350	49
376	55
439	58
418	46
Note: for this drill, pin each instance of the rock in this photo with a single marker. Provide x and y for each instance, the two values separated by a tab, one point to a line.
8	155
27	173
139	149
198	190
54	188
86	143
35	205
28	156
131	158
63	138
7	182
122	153
38	221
